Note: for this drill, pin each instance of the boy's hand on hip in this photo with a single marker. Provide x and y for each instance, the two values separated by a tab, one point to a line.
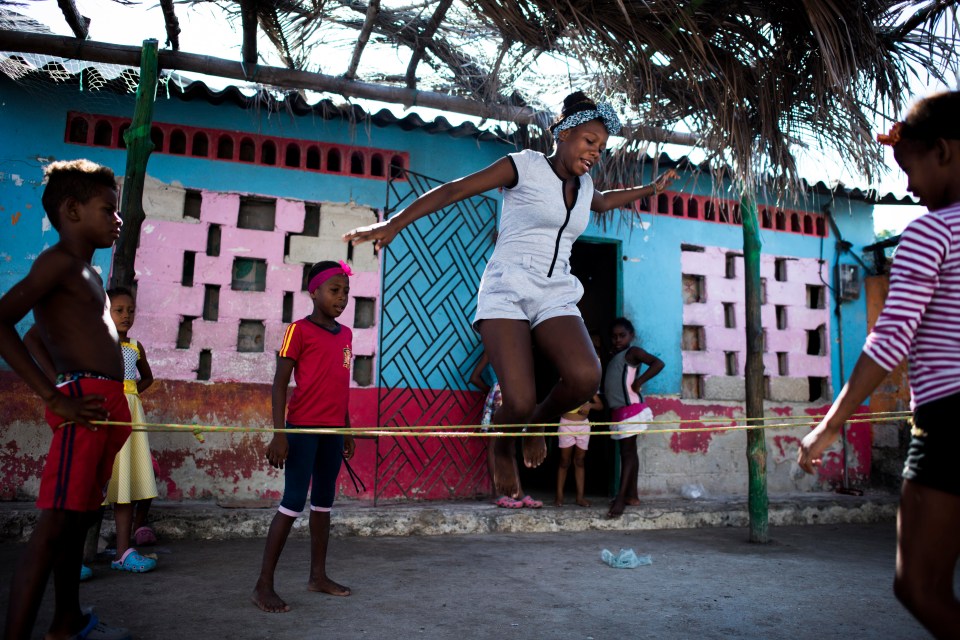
277	450
80	410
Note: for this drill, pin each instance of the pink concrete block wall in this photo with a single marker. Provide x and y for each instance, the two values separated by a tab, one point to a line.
711	263
163	302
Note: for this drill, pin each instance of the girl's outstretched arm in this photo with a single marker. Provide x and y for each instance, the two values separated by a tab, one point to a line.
499	174
619	198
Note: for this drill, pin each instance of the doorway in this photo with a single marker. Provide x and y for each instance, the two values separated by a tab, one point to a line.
596	262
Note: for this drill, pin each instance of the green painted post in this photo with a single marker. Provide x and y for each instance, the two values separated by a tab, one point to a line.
139	146
756	445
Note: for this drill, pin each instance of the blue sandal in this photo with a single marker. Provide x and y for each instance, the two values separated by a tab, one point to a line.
85	573
133	562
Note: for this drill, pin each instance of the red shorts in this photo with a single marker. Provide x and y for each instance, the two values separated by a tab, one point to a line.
80	460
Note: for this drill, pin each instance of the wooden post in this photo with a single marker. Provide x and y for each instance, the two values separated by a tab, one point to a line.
756	445
139	146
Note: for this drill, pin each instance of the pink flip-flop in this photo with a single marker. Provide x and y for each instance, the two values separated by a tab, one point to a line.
507	502
530	503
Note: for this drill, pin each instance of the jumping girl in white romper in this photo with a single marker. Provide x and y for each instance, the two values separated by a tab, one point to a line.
527	291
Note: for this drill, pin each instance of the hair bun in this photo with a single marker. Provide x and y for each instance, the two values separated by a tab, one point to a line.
577	101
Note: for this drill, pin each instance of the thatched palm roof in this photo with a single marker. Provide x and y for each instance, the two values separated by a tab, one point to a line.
752	78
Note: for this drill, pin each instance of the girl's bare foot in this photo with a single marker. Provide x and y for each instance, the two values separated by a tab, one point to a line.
558	502
583	502
267	599
327	585
505	481
534	450
616	509
633	502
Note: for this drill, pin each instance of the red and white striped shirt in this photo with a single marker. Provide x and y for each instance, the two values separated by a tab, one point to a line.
921	318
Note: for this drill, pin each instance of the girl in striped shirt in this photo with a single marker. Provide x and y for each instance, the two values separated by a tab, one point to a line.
920	321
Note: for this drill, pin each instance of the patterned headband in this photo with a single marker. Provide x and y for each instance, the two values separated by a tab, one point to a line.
326	274
603	112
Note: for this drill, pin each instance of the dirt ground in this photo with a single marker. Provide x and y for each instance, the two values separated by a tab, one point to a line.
830	581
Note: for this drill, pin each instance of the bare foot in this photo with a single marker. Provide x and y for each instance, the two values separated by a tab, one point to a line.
328	586
616	509
633	502
583	502
558	502
534	450
505	481
267	599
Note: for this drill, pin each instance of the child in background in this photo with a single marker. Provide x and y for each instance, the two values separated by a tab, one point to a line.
76	339
574	437
317	351
133	485
527	293
921	321
490	405
621	386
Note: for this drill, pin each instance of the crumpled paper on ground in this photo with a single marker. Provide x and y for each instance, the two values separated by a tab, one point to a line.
626	559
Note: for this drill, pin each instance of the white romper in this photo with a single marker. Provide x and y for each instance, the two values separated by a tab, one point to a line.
528	276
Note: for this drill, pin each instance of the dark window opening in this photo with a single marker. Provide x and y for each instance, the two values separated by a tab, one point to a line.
821	228
709	212
311	220
692	339
782	363
818	387
781	313
287	315
189	263
729	315
780	269
201	145
731	266
306	277
191	204
103	134
724	212
248	150
691	387
363	370
765	220
79	130
376	165
730	359
178	142
185	332
292	157
211	302
213	240
815	297
663	203
693	208
313	158
678	206
356	163
815	341
249	274
333	160
250	336
397	167
225	148
205	365
363	313
156	137
795	222
781	221
257	213
268	153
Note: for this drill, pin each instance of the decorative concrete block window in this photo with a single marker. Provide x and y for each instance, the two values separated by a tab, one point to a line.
731	265
191	204
287	313
815	341
248	150
103	134
364	313
397	167
250	337
678	206
156	137
356	163
693	289
249	274
292	157
730	362
225	148
333	160
782	368
79	130
313	158
376	165
185	332
818	388
363	370
201	145
268	153
178	142
311	219
257	213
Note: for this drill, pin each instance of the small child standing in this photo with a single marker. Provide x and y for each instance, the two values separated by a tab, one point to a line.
133	484
77	341
621	388
317	351
920	322
574	437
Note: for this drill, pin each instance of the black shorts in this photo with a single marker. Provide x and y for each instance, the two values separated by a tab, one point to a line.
931	458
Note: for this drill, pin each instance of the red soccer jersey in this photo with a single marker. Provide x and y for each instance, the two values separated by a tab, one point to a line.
322	373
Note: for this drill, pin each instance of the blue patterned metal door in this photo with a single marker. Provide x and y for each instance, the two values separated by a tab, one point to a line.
431	272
